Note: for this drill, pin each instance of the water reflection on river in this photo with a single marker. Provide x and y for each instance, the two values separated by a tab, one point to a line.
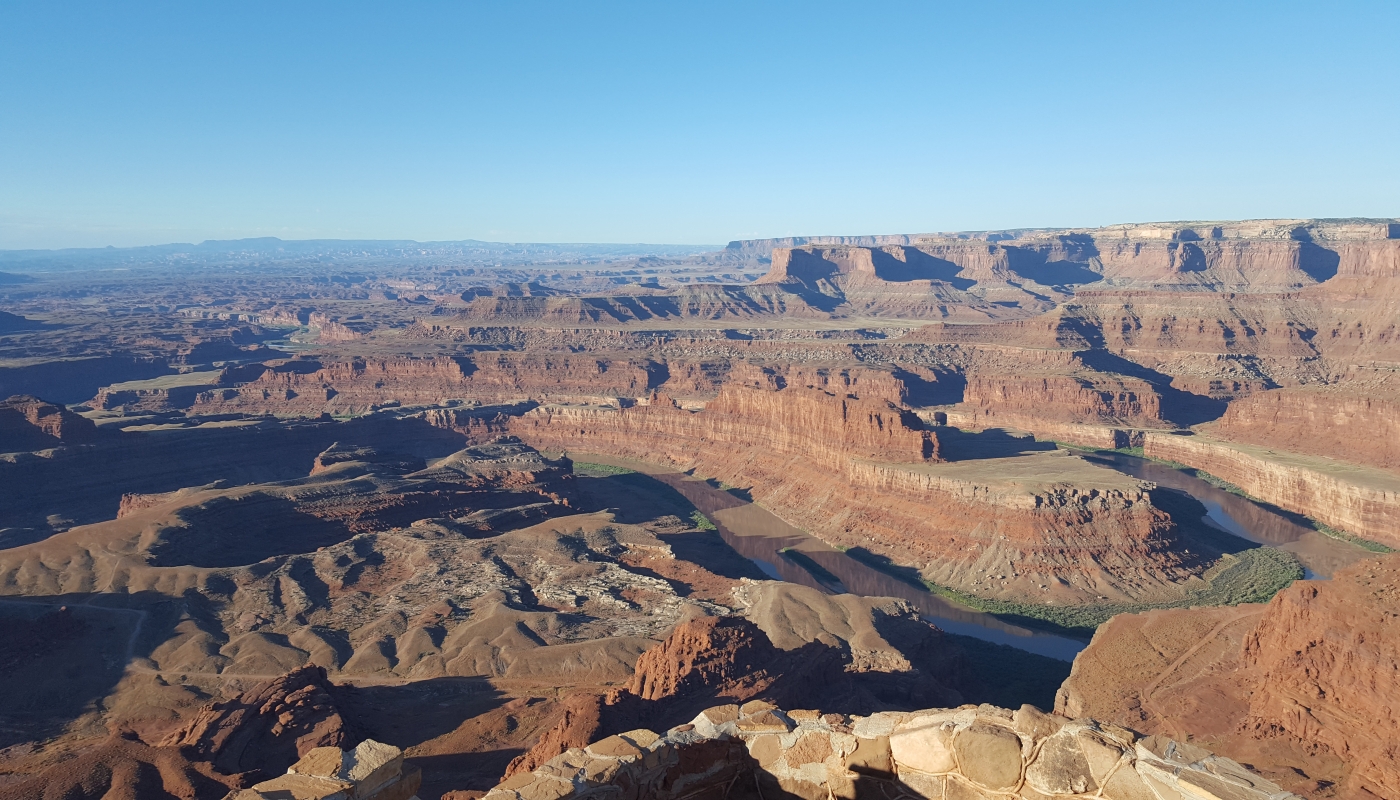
1320	554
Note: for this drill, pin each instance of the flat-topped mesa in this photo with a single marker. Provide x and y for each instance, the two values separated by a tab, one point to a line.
971	752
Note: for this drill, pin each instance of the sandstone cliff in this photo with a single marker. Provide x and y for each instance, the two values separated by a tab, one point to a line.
28	423
1096	399
1323	660
758	750
1365	502
1016	528
359	385
1357	422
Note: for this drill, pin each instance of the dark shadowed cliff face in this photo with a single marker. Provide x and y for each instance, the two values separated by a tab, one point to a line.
28	423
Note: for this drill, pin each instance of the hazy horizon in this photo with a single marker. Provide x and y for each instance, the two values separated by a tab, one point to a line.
635	123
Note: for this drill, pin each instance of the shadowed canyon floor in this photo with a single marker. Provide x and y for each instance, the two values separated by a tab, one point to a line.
490	505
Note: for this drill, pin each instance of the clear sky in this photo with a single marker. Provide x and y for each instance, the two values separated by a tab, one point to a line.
684	122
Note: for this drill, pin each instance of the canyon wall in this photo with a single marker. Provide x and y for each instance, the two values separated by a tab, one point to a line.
28	423
359	385
827	428
862	473
1358	423
1098	399
1323	661
1357	500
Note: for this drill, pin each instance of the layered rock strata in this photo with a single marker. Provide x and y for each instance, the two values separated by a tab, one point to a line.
1065	398
1357	422
826	428
28	423
972	752
1364	502
359	385
1016	530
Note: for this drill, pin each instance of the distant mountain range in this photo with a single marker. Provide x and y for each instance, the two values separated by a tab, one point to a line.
270	250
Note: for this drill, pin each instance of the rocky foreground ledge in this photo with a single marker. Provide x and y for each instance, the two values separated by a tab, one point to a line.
371	771
757	750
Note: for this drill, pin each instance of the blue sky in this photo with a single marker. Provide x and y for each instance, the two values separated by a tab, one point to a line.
140	123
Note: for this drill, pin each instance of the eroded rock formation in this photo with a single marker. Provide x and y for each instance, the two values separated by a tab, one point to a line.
1026	519
267	728
786	651
370	771
28	423
1361	501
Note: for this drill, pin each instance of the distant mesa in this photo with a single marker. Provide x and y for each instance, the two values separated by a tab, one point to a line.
28	423
14	322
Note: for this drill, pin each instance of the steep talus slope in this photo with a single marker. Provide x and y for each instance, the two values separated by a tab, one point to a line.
1326	663
1302	688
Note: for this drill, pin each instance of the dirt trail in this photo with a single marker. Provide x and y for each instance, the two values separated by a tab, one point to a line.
1150	690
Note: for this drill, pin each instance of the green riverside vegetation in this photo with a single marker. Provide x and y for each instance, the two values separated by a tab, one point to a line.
591	470
702	522
1252	575
1224	485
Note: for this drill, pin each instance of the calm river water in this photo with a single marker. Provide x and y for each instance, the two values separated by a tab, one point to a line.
759	535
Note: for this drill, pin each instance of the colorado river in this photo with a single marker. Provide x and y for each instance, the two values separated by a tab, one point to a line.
760	536
1320	554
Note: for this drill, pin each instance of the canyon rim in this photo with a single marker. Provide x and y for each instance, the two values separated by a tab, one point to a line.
1030	513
